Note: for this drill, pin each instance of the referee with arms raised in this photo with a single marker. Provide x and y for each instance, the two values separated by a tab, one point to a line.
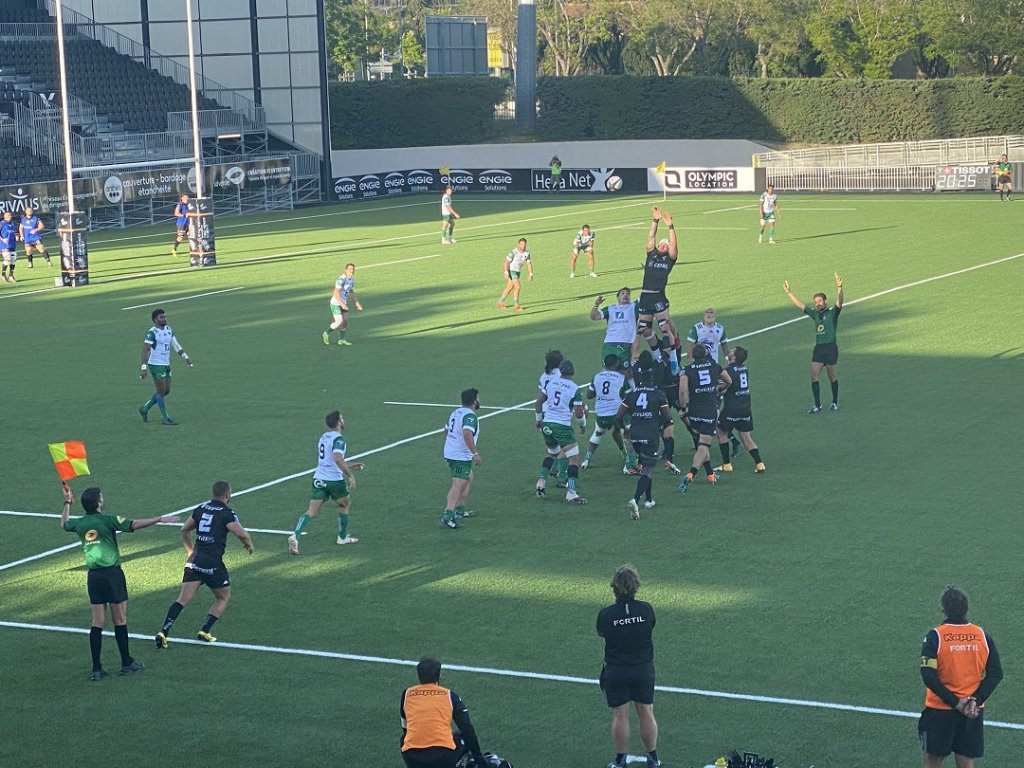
628	672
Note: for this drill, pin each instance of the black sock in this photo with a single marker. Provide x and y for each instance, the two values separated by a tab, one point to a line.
172	613
724	448
755	454
121	636
670	448
647	490
835	391
643	483
653	755
816	391
95	646
208	624
620	758
693	471
707	469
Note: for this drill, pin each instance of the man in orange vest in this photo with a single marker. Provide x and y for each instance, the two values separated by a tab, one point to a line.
960	668
427	713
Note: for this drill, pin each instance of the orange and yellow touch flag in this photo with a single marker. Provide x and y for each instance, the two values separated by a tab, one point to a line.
445	170
69	459
660	168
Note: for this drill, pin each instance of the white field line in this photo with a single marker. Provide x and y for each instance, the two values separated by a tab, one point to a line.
341	248
185	298
261	486
449	405
520	674
47	553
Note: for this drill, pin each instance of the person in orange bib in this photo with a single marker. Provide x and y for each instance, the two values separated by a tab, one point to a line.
427	711
960	669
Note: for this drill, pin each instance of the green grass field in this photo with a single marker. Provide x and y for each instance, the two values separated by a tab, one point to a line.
814	582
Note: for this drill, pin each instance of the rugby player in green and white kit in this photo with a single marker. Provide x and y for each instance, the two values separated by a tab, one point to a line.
770	210
460	434
332	479
513	265
621	318
584	241
554	413
607	389
156	360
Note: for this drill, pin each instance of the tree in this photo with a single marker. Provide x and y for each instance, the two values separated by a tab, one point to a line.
671	32
974	36
569	29
776	29
862	38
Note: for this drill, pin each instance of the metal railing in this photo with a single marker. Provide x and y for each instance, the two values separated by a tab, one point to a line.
217	122
27	134
853	179
34	31
80	111
116	148
982	149
165	66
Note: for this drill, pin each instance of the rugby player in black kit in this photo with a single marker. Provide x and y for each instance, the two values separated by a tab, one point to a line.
653	304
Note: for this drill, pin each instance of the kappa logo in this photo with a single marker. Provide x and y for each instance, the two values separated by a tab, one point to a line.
235	175
113	189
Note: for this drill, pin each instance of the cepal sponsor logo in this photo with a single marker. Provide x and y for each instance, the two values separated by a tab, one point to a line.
345	187
394	183
113	189
235	175
495	180
457	179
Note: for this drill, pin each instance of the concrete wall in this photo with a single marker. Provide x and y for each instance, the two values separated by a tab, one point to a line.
580	154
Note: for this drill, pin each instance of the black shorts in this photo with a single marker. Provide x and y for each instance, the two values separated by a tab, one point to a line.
107	585
701	425
942	731
826	354
622	685
211	572
1004	179
727	422
183	232
646	452
653	302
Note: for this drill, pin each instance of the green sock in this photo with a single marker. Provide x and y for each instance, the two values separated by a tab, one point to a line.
589	455
341	334
562	466
301	525
149	403
448	514
459	509
342	526
163	407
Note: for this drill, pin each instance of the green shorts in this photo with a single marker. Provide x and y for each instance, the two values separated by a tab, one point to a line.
321	490
768	216
159	372
336	309
513	275
557	434
446	217
460	469
620	350
609	422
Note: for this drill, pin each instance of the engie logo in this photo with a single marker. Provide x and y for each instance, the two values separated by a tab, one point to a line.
369	185
495	180
113	189
345	188
394	183
419	180
702	179
458	180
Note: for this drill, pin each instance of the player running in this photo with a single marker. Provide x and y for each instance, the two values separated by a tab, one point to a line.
584	241
769	208
736	412
180	223
8	247
554	413
30	231
607	389
653	304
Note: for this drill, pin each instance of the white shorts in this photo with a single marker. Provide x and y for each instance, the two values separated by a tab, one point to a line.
9	257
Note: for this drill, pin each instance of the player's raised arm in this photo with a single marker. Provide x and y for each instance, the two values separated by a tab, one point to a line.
595	312
839	290
652	233
69	499
796	302
673	245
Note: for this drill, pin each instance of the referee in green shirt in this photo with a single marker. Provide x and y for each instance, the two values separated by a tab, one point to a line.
107	586
826	350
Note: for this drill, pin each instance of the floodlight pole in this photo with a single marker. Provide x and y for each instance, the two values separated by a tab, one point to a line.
71	226
526	64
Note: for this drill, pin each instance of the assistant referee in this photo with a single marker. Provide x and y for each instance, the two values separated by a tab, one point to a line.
628	672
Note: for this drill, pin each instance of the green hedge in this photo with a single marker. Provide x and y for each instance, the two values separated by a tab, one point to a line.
459	110
800	110
414	113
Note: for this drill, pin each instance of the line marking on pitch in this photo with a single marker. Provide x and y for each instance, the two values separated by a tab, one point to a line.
497	672
449	405
185	298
